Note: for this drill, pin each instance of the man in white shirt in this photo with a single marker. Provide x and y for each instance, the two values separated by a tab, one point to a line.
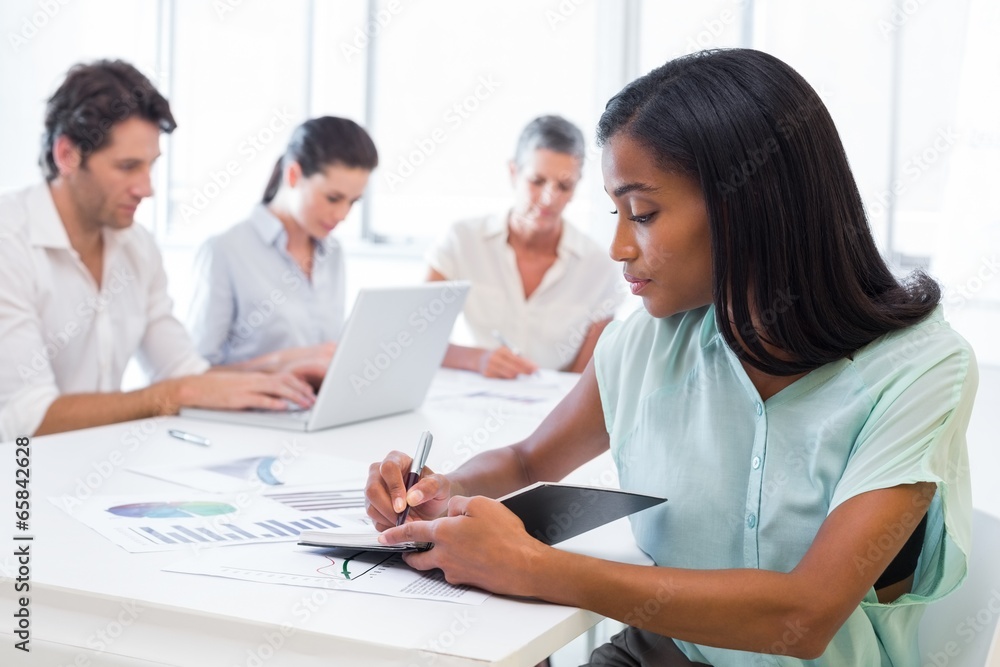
84	288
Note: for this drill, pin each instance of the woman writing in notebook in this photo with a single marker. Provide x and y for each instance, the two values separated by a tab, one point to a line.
803	410
272	287
542	291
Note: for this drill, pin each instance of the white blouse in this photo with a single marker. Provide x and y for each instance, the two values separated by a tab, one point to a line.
583	286
251	298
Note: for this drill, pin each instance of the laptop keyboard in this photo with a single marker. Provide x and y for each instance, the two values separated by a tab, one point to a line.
291	410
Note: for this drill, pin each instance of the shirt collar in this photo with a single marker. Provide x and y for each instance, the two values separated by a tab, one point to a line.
268	226
272	231
496	225
47	230
571	242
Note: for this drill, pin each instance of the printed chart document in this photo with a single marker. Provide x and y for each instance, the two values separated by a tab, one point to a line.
263	473
142	523
360	571
531	396
551	512
319	498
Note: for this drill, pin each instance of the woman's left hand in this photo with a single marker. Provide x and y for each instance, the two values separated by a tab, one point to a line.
480	542
309	364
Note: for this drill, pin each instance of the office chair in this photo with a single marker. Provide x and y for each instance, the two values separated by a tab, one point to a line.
959	630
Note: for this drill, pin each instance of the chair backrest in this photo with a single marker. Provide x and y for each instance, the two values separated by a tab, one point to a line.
958	631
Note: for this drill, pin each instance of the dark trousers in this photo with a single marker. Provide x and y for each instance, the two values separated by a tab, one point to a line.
633	647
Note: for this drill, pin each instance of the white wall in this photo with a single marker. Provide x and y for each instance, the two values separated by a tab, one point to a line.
230	72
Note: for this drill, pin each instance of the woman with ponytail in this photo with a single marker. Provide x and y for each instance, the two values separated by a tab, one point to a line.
273	284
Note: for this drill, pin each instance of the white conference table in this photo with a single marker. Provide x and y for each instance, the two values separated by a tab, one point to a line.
94	603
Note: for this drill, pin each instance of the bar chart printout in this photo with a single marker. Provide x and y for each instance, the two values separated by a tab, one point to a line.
158	524
320	499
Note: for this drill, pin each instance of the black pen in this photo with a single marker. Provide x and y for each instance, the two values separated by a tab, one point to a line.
416	469
189	437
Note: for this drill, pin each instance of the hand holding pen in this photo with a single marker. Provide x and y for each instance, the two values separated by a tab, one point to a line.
505	362
503	341
399	486
416	470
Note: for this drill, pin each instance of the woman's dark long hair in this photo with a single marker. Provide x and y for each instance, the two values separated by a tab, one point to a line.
790	238
322	142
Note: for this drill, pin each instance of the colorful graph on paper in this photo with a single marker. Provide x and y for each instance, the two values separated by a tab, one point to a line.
233	532
263	473
316	500
140	524
172	510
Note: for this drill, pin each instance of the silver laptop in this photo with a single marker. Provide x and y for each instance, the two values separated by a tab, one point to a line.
392	346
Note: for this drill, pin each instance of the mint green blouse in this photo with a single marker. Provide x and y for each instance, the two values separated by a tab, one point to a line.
749	482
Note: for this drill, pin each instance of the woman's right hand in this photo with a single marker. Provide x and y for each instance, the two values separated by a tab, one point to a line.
309	364
503	363
386	495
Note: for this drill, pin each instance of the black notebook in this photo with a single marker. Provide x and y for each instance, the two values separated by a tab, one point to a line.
551	512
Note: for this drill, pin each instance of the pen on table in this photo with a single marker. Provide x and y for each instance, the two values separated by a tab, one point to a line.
503	341
416	469
189	437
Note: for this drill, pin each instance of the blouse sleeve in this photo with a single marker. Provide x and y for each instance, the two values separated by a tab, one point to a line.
212	304
916	433
607	367
445	254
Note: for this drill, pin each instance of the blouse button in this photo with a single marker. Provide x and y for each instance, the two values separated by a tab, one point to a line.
756	462
751	521
760	408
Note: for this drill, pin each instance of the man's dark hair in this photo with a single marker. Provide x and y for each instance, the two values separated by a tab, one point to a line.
790	238
94	98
